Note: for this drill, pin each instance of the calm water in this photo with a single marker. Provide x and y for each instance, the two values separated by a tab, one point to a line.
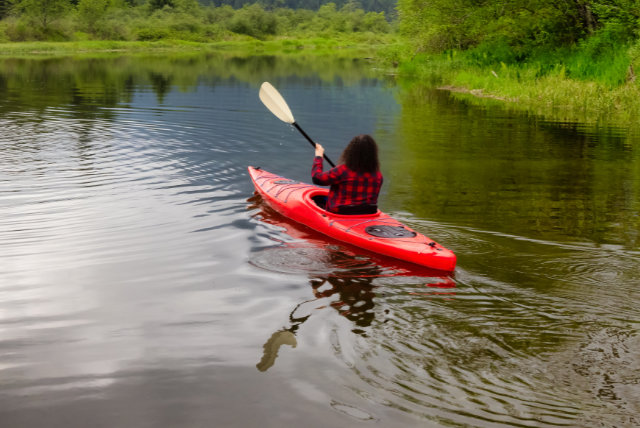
143	284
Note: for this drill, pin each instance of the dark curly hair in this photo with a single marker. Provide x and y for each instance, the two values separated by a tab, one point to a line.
361	155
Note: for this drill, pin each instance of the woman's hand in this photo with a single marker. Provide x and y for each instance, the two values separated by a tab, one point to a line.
319	150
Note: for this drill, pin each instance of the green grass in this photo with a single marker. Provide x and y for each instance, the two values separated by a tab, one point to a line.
574	86
359	43
39	48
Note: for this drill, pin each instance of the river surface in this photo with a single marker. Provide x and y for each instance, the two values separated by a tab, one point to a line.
143	284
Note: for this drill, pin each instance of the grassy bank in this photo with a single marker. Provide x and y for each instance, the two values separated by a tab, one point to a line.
570	88
567	85
360	44
44	48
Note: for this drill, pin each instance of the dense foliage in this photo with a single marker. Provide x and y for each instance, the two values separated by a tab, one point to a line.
177	19
573	59
594	40
521	25
386	6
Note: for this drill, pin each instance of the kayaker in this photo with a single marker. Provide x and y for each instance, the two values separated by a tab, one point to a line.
355	182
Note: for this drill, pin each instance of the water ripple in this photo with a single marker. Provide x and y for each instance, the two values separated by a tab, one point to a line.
132	261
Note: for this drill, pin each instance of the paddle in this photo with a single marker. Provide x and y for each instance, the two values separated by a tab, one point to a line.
272	100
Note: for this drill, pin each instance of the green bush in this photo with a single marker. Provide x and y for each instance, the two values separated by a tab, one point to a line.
376	23
3	33
602	57
254	21
152	34
118	24
15	30
293	21
24	29
634	55
219	15
90	12
609	68
492	52
81	36
213	32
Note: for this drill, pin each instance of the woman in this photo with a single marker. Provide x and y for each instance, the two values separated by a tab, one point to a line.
355	182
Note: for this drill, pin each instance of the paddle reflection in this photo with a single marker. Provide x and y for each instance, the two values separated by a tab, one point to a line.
351	297
285	336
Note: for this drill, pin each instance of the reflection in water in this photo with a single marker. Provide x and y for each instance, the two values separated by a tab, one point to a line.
273	344
352	297
314	253
91	87
339	279
457	163
136	289
354	301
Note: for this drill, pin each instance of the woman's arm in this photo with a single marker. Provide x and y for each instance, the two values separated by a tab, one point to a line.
318	176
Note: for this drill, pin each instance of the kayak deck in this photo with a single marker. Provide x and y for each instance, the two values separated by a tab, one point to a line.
379	232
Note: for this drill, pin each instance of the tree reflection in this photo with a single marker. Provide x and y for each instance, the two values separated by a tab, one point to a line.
90	83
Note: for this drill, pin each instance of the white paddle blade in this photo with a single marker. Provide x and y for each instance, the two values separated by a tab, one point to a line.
272	99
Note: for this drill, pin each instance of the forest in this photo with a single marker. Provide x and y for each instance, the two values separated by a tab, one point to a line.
524	25
508	31
128	20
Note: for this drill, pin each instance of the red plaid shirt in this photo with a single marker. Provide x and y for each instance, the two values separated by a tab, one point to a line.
347	187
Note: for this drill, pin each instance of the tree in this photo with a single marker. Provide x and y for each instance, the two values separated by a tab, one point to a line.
5	6
91	11
44	12
438	25
159	4
253	21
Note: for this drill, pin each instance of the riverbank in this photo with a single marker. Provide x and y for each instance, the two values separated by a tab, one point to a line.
551	92
364	42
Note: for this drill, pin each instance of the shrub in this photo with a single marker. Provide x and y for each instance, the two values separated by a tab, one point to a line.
152	34
90	12
3	33
219	15
375	22
492	52
602	57
43	13
81	36
17	30
253	21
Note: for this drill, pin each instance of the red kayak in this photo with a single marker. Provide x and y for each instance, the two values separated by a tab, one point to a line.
378	233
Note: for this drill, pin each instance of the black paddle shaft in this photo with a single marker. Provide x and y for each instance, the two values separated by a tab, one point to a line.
312	142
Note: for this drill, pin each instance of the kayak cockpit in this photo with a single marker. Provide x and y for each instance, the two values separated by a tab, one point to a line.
317	198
